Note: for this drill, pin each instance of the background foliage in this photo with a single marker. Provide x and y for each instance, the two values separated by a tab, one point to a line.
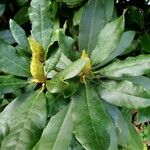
65	107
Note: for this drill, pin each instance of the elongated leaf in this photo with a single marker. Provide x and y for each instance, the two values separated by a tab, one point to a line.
123	133
9	84
19	34
132	66
55	103
125	42
70	2
40	17
56	85
113	139
72	70
21	17
53	60
108	40
27	123
125	94
141	80
75	145
63	62
135	142
58	132
11	62
6	114
7	36
95	15
66	44
2	9
91	122
143	116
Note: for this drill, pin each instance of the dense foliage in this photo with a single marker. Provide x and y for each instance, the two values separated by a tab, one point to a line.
74	75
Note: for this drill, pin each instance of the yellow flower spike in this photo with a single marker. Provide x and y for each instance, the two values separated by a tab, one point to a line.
87	68
36	48
37	70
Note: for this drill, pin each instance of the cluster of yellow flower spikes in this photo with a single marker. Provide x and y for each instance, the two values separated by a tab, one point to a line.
36	66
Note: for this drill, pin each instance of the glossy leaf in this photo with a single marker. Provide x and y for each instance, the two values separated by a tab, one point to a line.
56	85
95	15
27	123
145	42
58	132
21	17
11	62
132	66
141	80
143	116
52	60
2	9
6	114
19	34
72	70
123	133
55	103
7	36
135	142
77	16
125	42
125	94
40	17
70	2
108	40
9	84
66	44
72	88
91	122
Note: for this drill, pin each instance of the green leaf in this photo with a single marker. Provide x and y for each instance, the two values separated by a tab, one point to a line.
40	17
113	139
63	62
21	3
125	94
11	62
2	9
55	103
27	123
7	36
132	66
53	60
19	34
56	85
75	145
91	122
135	142
21	17
123	133
6	114
108	40
72	69
125	42
70	2
145	42
141	80
66	44
77	16
143	116
9	84
58	132
94	17
72	88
